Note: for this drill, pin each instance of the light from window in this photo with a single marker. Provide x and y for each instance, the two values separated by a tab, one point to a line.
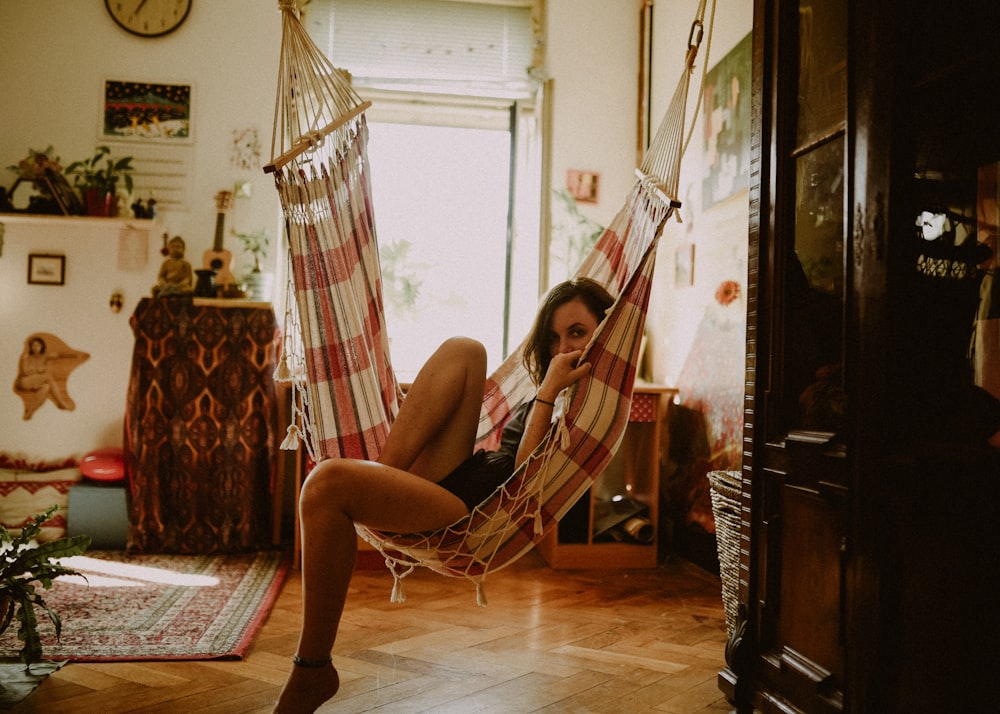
440	201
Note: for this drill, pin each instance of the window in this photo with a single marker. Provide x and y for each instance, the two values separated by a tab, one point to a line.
453	149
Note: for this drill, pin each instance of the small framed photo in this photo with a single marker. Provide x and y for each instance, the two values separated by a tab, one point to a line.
582	185
46	269
684	265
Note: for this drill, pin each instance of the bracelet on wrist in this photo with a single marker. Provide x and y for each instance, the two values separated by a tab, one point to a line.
545	401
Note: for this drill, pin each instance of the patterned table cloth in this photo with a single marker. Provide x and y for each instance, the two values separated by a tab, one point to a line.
201	426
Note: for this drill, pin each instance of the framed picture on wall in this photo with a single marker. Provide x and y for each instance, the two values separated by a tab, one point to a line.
582	185
726	112
146	111
684	265
46	269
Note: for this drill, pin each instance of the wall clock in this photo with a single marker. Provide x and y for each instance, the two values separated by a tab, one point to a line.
148	18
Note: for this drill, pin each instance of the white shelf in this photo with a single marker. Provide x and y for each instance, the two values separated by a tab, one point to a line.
37	219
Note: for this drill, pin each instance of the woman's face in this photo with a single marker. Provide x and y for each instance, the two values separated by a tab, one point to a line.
573	325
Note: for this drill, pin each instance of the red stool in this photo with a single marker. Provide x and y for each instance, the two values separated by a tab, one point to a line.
104	464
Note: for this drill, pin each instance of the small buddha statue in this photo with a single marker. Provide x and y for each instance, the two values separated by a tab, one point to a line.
176	276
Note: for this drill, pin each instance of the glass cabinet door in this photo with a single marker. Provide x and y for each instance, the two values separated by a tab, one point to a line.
813	239
814	293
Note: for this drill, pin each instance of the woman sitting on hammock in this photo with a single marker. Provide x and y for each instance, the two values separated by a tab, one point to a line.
426	476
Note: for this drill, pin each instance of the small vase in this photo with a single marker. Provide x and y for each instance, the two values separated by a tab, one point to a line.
258	286
205	285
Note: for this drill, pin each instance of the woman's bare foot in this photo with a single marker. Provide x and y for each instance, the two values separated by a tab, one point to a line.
307	688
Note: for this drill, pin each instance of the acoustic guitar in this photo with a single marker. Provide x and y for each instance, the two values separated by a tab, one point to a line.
219	259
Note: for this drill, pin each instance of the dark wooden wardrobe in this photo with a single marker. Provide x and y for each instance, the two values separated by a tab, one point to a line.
869	534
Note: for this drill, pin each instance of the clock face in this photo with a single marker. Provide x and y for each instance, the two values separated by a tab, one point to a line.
148	18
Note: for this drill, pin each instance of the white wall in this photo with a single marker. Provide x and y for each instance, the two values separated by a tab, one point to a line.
57	55
79	313
719	235
592	58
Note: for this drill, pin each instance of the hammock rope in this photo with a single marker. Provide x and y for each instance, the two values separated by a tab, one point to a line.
314	98
336	348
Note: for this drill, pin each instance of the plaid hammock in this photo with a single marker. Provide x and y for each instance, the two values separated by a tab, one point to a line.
336	349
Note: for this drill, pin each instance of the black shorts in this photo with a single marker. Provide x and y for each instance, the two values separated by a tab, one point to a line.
476	478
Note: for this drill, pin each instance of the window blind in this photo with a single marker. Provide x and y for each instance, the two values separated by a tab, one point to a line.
444	46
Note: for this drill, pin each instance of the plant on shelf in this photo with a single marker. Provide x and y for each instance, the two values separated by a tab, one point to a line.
256	244
22	565
97	179
257	282
37	170
35	164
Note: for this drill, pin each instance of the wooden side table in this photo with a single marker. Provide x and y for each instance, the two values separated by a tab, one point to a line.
582	540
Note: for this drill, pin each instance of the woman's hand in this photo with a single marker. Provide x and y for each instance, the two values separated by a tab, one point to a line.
563	371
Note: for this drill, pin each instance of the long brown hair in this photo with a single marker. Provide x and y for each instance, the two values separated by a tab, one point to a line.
537	353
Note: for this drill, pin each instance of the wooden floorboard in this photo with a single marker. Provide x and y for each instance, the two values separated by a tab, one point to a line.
549	641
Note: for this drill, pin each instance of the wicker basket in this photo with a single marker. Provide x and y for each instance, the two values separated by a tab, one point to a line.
726	488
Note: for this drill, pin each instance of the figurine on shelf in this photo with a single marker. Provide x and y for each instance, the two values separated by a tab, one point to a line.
176	276
144	211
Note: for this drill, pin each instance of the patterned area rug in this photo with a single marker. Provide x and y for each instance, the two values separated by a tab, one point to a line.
157	607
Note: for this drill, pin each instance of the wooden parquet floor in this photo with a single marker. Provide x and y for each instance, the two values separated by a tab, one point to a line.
549	641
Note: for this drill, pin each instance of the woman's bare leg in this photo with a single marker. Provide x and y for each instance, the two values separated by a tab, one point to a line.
433	433
435	429
337	494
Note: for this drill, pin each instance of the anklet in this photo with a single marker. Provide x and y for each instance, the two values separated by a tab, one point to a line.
311	663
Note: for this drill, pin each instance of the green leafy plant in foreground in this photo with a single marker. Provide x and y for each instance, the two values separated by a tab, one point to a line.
22	566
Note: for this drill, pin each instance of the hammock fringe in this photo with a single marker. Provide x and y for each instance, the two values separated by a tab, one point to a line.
399	571
398	593
292	440
283	373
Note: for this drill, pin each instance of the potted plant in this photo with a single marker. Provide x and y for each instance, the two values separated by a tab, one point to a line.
257	282
97	179
22	565
37	169
574	234
35	164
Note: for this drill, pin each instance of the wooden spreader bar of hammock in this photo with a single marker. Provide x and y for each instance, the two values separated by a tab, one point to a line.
653	185
309	142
